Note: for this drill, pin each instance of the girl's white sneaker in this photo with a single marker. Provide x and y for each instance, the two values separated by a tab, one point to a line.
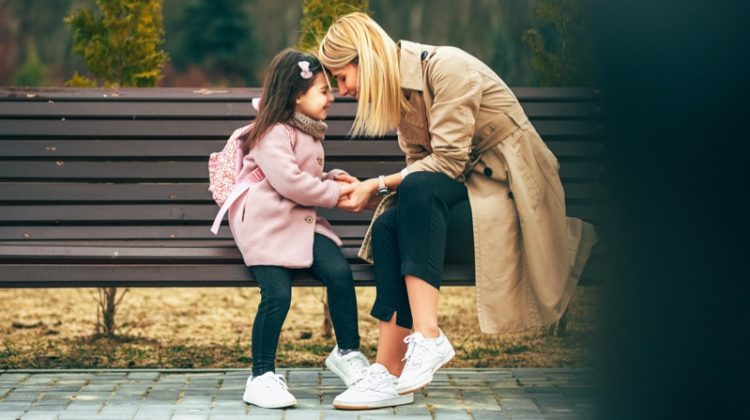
348	367
374	389
268	390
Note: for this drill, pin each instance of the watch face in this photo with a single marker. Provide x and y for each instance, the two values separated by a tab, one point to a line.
383	191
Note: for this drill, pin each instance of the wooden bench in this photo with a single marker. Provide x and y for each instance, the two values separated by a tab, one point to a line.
103	188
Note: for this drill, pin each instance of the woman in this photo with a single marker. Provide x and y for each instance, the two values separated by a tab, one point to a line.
480	186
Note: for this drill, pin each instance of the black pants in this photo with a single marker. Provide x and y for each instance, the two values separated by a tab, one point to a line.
329	266
430	225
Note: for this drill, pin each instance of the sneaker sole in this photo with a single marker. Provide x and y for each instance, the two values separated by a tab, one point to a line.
279	405
391	402
423	384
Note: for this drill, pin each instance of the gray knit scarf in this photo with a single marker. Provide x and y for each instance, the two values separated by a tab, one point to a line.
317	129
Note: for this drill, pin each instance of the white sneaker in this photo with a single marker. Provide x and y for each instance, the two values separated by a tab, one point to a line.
347	367
424	356
374	389
268	390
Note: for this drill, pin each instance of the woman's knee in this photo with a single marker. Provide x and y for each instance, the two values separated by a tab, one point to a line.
418	187
385	225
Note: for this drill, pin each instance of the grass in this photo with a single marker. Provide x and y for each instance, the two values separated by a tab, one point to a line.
211	328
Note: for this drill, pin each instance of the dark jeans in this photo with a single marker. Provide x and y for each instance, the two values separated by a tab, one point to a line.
329	266
430	225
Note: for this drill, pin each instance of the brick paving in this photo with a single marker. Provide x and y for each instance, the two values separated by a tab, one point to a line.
455	394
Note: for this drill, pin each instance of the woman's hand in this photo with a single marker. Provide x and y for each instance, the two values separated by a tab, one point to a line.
359	197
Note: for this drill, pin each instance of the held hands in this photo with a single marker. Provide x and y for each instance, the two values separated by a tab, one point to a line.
346	183
345	178
355	195
346	186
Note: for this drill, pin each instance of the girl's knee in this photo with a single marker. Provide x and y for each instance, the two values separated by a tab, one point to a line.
277	298
340	277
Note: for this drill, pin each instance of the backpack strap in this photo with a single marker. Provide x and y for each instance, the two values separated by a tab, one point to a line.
238	190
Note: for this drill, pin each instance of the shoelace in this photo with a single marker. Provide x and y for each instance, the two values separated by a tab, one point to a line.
358	365
368	379
275	379
416	348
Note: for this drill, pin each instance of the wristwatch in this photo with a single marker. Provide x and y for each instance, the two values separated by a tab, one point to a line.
382	188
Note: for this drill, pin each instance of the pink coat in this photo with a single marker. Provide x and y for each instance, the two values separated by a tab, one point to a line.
274	221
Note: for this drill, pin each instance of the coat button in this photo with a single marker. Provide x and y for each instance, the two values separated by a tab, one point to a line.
488	171
309	219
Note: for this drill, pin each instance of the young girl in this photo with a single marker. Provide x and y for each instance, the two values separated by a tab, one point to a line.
275	225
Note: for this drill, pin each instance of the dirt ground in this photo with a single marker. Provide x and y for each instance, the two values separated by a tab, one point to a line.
211	328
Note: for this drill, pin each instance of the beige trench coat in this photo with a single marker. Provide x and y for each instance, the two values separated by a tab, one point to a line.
528	255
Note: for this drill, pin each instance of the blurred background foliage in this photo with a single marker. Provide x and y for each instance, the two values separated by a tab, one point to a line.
221	43
120	42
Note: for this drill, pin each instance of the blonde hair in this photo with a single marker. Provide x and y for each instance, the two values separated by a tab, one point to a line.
356	38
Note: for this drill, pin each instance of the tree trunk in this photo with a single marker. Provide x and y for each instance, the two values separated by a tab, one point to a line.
108	302
110	309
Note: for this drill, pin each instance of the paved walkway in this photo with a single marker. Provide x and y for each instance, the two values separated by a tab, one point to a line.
455	394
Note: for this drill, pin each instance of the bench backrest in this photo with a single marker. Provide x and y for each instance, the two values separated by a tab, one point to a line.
131	164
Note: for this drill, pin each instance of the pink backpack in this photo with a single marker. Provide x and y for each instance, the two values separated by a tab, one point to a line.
224	166
223	169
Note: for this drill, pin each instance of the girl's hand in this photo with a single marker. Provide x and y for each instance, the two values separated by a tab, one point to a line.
346	178
359	197
345	189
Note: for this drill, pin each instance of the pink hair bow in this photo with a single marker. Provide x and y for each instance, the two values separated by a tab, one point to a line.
305	66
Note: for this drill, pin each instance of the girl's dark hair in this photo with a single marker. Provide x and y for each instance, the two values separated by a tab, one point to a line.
282	85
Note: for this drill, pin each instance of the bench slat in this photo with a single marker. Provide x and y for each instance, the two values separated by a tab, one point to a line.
240	110
134	249
161	171
197	275
79	149
17	94
146	275
89	192
179	213
72	128
161	232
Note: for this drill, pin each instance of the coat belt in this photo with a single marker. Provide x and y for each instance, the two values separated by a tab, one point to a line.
510	121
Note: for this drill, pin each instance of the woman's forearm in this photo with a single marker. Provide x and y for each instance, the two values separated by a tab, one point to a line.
392	181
